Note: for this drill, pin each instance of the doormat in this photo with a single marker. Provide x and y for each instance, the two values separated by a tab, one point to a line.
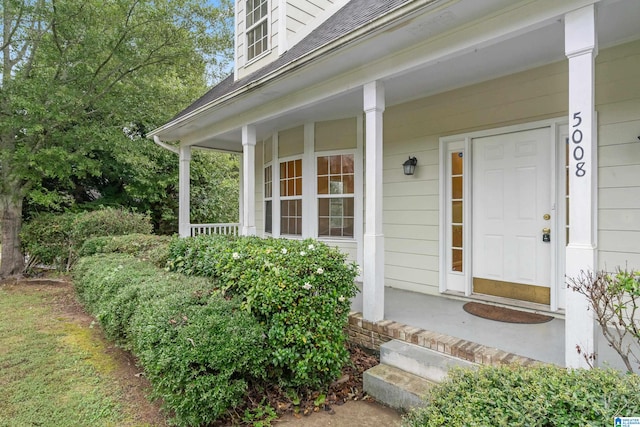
502	314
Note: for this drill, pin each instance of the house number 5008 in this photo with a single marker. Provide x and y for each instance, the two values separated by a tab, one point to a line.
578	151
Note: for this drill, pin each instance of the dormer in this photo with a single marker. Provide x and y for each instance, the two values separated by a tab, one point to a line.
265	29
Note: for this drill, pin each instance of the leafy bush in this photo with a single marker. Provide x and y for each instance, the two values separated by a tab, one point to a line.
114	286
544	396
144	246
614	299
300	290
55	239
199	350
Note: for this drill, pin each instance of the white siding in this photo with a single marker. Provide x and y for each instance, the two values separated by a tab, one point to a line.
411	203
618	106
302	12
413	129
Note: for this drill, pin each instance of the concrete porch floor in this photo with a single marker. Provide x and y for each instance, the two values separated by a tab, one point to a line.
445	315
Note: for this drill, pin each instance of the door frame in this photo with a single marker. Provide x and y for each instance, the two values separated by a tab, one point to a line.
460	283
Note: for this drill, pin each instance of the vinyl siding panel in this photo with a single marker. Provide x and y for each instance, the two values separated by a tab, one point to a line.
349	247
616	219
301	13
618	106
411	203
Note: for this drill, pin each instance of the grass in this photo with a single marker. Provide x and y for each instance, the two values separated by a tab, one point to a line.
52	372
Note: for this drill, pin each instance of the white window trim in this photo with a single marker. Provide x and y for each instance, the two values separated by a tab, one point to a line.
301	197
266	199
317	196
310	190
275	194
266	18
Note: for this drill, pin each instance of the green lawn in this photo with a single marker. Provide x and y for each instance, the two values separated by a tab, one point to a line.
53	372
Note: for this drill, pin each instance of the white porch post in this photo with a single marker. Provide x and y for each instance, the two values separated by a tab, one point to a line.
309	204
241	194
249	180
184	191
581	49
373	285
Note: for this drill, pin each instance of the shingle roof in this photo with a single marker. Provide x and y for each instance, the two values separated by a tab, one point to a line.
352	16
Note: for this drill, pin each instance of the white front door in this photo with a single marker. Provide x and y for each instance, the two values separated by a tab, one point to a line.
512	200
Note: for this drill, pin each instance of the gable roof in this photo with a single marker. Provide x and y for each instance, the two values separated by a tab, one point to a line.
350	17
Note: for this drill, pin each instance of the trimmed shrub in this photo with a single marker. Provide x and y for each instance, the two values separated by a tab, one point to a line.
114	286
143	246
544	396
300	291
198	349
55	239
200	352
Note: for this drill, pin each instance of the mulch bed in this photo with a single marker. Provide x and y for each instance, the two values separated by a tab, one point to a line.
347	387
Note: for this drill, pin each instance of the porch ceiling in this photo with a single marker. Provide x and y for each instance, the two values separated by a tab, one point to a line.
291	101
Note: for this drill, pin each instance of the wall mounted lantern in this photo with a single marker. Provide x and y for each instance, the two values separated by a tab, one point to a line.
409	166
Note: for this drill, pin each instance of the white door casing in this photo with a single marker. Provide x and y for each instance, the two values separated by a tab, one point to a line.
548	161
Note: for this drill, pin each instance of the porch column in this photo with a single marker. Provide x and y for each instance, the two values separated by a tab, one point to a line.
184	191
581	49
373	285
248	180
241	194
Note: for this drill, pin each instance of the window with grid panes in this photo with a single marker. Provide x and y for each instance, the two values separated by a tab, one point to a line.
457	192
256	27
291	197
335	174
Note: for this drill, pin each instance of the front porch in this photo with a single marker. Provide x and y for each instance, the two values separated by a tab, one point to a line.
440	323
431	99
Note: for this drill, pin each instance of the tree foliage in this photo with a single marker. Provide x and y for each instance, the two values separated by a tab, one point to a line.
81	83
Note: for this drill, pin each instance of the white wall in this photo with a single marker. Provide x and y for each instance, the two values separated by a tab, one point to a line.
411	203
618	106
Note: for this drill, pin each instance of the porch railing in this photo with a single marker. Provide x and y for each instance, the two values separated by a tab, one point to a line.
230	228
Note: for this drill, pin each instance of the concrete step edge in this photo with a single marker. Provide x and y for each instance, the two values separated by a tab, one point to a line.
420	361
395	387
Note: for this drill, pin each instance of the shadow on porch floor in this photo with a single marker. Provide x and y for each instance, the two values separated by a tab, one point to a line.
444	315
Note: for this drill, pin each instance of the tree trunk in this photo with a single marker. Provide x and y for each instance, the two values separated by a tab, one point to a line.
12	261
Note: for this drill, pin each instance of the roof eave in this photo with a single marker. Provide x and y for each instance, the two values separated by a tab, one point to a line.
362	33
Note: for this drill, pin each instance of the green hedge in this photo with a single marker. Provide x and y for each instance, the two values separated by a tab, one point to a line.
540	396
300	291
199	350
56	239
144	246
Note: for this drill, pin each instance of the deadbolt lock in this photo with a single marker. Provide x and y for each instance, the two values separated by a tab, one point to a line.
546	217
